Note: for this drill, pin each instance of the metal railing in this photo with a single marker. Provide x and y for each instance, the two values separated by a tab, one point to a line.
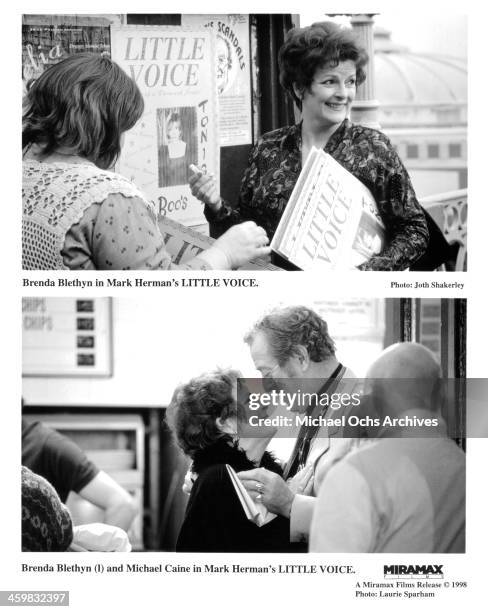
450	212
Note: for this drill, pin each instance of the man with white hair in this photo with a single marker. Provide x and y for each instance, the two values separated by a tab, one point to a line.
292	349
405	491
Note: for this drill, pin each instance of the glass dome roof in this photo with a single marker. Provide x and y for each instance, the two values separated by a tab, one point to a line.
407	78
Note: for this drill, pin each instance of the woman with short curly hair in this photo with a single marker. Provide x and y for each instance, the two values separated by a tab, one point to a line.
77	213
321	67
208	416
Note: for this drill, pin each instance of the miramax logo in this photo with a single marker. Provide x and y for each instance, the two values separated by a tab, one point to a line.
412	571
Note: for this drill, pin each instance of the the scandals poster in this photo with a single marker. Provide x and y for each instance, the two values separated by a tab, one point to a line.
174	70
232	62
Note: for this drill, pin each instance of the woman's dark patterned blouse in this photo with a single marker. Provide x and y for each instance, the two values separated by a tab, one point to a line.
274	167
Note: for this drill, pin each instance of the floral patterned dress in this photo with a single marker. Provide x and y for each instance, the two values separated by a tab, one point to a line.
275	164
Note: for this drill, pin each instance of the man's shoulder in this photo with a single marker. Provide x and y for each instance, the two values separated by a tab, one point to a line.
34	430
34	436
349	381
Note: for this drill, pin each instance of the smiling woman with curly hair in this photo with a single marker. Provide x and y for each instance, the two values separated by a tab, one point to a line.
321	67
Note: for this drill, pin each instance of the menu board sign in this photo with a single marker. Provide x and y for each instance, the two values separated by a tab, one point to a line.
66	337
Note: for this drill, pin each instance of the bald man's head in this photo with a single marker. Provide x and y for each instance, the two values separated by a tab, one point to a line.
405	376
406	360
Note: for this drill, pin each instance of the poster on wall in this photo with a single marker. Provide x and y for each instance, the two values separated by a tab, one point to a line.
173	68
46	42
232	61
354	318
66	337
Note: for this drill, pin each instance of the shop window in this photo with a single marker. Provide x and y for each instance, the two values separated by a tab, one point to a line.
455	149
432	151
412	151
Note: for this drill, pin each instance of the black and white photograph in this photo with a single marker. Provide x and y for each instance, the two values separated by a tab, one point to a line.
184	429
177	144
385	101
193	456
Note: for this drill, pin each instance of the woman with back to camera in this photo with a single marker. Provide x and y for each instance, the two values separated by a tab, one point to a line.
77	213
321	67
208	417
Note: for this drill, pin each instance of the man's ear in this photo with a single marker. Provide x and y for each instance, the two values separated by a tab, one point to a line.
303	357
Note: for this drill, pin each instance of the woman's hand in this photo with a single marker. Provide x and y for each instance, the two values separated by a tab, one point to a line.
243	242
204	187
